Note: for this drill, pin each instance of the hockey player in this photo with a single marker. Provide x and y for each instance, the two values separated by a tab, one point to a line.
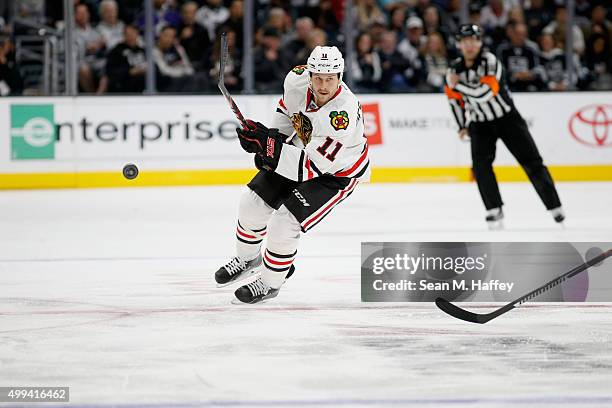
310	160
484	110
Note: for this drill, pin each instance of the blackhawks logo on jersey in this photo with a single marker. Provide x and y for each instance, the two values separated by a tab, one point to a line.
339	120
302	126
299	69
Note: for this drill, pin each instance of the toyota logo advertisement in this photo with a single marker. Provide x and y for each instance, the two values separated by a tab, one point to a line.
591	125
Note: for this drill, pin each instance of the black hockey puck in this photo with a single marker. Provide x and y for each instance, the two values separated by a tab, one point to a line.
130	171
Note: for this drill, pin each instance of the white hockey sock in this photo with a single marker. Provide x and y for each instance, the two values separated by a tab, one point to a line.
253	216
248	241
276	268
283	238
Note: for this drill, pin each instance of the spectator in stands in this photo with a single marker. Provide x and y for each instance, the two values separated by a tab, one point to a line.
516	15
393	64
302	8
315	37
368	12
212	15
233	67
415	40
432	23
411	48
537	16
326	19
520	28
11	83
270	63
165	15
193	37
494	18
398	22
521	60
366	67
598	18
494	15
419	8
376	32
552	59
234	22
389	5
297	41
129	11
126	64
281	22
436	62
582	8
598	59
557	29
92	5
453	16
288	6
174	70
110	27
91	50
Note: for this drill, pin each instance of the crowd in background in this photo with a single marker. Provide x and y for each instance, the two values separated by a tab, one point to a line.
400	46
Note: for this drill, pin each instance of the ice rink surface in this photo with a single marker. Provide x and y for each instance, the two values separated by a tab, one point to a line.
111	292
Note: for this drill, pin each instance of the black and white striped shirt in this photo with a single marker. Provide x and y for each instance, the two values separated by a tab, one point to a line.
481	94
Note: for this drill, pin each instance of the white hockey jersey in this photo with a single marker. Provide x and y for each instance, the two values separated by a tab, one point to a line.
337	145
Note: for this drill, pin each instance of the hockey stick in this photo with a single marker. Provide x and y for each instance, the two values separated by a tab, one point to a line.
468	316
221	84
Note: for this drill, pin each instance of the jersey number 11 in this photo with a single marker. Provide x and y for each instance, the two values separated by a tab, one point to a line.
323	148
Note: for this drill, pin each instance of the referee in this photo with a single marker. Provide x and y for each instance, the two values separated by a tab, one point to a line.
483	108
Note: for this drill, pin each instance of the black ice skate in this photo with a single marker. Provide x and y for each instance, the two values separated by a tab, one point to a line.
558	215
236	270
495	218
255	292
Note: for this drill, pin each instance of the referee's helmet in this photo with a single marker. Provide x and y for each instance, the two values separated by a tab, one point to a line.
469	30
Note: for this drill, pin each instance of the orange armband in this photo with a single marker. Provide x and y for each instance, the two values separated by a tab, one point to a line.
492	82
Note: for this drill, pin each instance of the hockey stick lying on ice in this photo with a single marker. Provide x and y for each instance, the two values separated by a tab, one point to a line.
468	316
221	84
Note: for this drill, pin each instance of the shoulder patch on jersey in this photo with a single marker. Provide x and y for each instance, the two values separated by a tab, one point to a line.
302	126
339	120
299	69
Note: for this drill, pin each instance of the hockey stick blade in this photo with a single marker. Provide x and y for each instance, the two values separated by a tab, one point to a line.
455	311
221	84
481	318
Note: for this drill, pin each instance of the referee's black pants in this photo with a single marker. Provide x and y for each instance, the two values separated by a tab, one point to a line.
513	131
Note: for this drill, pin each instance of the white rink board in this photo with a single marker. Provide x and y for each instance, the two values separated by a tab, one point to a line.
418	130
197	132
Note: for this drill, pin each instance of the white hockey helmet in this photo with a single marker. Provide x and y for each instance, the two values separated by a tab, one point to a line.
326	60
